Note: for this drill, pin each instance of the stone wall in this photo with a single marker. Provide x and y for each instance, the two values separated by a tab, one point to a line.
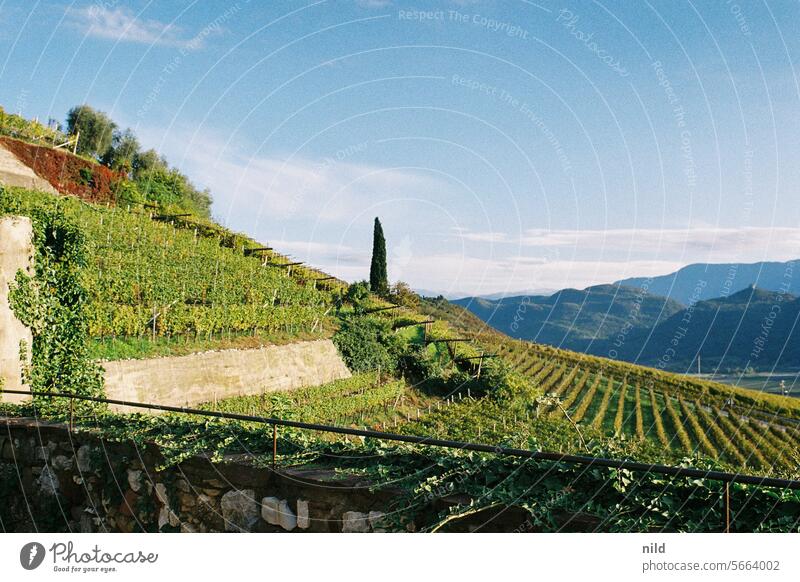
14	172
55	480
52	480
209	376
16	252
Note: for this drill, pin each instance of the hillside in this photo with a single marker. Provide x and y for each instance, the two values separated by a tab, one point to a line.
166	285
426	368
573	319
752	328
702	281
159	284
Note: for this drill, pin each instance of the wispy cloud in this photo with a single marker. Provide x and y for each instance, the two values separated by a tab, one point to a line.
484	237
720	243
121	24
254	188
374	3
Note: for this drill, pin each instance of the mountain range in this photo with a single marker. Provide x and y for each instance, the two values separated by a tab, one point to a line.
702	312
707	281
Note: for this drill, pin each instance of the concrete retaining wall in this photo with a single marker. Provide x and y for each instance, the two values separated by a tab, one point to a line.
16	252
14	172
173	381
209	376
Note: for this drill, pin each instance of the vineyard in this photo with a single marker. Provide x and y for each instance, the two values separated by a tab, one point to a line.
151	280
365	400
682	422
155	280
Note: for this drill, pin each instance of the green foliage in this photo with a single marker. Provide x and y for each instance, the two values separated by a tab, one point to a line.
378	277
171	189
18	127
137	268
358	295
401	294
367	343
53	304
95	127
363	399
126	193
123	151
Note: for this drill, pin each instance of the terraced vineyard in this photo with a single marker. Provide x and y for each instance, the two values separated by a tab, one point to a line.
151	279
681	421
365	400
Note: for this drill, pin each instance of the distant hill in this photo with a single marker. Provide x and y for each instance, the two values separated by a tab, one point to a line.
753	327
573	319
702	281
451	295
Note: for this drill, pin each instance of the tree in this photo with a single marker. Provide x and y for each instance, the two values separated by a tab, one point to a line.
95	127
378	278
123	151
147	160
402	294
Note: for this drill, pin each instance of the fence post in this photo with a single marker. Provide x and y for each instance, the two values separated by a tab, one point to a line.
727	505
274	444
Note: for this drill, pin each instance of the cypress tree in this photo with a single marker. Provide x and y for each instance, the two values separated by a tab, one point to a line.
378	278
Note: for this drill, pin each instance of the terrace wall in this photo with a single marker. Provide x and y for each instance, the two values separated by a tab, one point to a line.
210	376
16	253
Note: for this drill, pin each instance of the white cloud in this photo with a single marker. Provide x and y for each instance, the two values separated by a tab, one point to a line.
485	237
121	24
323	199
374	3
703	243
252	189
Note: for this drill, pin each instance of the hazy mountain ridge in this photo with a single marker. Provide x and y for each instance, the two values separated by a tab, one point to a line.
753	327
714	310
573	318
701	281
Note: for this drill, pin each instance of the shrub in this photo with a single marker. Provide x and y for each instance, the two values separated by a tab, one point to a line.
366	343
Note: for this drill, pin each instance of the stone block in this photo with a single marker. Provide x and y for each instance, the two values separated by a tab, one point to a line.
239	510
269	510
355	522
135	480
303	518
62	463
48	482
161	494
286	517
83	458
376	521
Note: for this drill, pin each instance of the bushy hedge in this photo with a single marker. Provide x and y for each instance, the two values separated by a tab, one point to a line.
367	343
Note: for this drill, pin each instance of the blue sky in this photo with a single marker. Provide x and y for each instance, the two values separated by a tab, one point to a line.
505	145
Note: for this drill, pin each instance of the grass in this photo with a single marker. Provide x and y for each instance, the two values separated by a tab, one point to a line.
132	348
